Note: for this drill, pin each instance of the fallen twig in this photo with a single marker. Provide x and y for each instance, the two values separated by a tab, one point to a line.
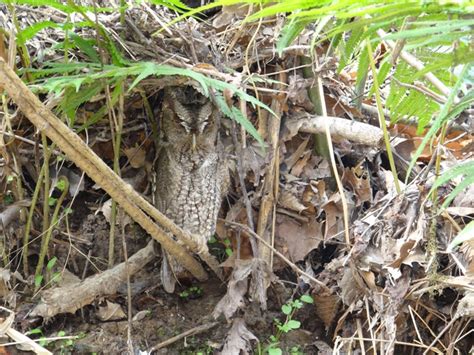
70	298
193	331
270	192
357	132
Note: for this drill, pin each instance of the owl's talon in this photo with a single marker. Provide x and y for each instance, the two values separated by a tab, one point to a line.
203	249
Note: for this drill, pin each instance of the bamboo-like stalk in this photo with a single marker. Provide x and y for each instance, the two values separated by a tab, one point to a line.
317	99
116	126
383	124
49	231
29	221
46	185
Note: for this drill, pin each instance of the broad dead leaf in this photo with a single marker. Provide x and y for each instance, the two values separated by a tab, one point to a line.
136	156
238	339
297	239
358	183
111	311
466	306
12	213
238	286
236	289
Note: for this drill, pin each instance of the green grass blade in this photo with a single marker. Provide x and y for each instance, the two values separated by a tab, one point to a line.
439	120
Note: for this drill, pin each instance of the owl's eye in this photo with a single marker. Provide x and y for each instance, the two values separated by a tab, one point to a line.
185	125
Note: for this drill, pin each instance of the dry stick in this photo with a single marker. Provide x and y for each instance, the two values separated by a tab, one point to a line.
193	331
270	184
247	203
92	165
319	87
382	122
116	127
422	89
438	337
129	288
70	298
277	253
354	131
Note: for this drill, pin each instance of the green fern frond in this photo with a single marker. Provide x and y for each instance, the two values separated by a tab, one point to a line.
465	169
443	116
140	71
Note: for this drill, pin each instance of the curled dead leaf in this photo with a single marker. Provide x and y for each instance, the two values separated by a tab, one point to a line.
290	201
326	307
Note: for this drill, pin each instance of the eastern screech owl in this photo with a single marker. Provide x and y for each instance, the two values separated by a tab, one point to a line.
192	175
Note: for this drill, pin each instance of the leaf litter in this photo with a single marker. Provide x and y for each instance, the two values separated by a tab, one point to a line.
396	282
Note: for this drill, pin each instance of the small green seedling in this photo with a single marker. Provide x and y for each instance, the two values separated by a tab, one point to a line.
191	293
289	309
228	247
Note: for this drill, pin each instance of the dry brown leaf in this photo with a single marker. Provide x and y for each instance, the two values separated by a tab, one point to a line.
136	156
297	154
290	201
334	216
5	277
467	249
406	247
314	196
238	286
12	213
359	185
326	306
350	289
301	164
111	311
236	289
254	160
297	239
456	141
122	218
465	199
298	93
460	211
229	14
76	181
238	339
466	306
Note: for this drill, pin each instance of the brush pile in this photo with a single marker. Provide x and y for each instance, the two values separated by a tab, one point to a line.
345	243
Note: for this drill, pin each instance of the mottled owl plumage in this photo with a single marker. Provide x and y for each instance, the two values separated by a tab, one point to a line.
191	172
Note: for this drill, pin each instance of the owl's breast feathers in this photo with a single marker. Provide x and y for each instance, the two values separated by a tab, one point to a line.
190	188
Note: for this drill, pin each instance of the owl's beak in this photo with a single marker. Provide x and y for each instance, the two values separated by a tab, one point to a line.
194	142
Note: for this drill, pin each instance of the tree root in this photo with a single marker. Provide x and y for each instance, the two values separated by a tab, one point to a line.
70	298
